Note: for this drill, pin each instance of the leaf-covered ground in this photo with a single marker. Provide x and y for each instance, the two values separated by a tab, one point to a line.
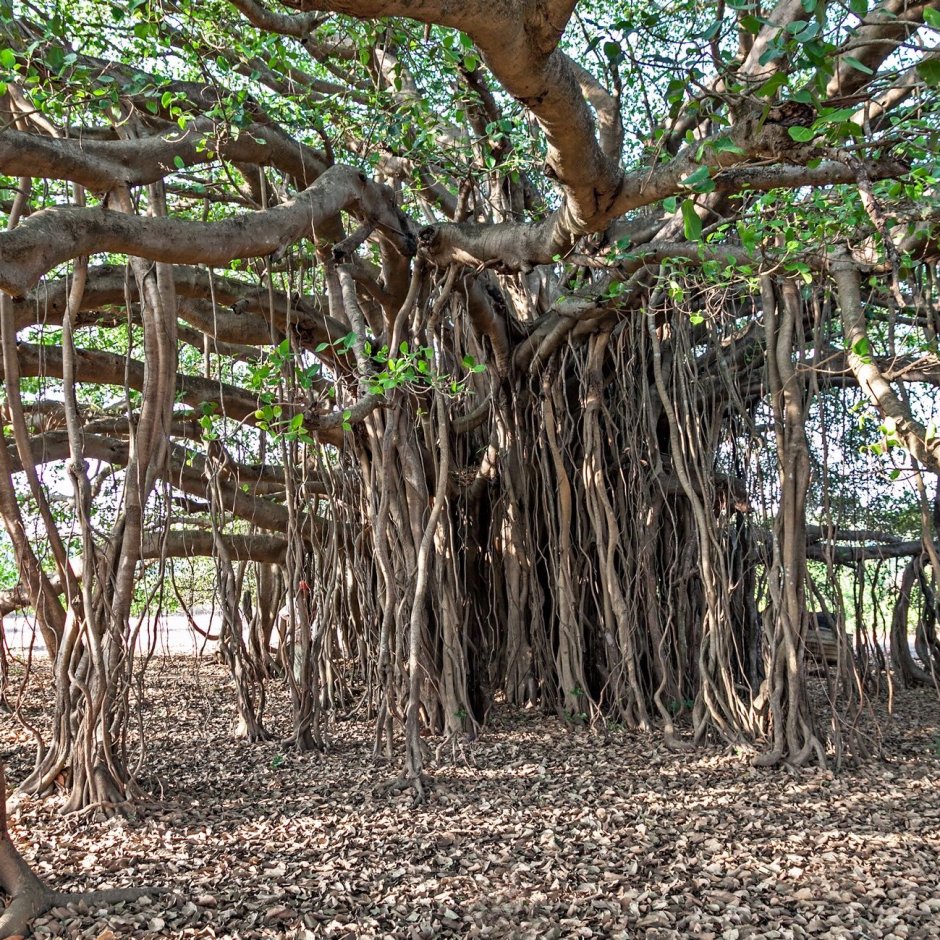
553	833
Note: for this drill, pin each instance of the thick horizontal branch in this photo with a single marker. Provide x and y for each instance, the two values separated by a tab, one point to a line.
103	368
852	554
100	165
186	471
109	369
815	533
298	25
519	246
234	311
834	368
783	176
267	549
53	236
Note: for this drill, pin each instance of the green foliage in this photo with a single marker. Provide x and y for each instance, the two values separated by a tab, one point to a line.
207	420
691	223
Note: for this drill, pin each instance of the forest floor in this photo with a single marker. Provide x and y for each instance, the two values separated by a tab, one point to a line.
554	833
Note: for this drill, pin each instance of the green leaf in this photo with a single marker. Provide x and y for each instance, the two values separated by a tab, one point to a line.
858	66
726	145
862	348
932	17
7	58
808	33
179	162
801	134
712	31
751	24
836	117
700	181
748	237
929	71
771	85
691	223
670	204
803	269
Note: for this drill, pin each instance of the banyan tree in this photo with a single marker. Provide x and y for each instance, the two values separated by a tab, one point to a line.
578	356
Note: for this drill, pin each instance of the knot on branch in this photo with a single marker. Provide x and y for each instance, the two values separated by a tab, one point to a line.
428	238
344	250
313	420
409	242
792	114
776	143
532	102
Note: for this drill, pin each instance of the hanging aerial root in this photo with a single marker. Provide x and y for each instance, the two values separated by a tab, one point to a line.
457	746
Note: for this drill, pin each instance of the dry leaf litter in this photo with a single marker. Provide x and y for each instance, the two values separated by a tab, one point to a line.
536	830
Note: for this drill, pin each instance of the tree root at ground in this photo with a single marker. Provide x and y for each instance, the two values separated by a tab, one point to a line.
419	783
30	896
33	898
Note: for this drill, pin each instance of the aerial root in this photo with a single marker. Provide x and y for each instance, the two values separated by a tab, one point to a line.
461	747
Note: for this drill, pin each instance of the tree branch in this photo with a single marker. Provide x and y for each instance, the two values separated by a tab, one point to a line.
52	236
